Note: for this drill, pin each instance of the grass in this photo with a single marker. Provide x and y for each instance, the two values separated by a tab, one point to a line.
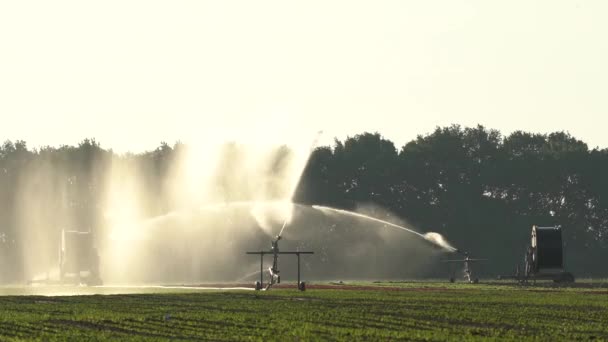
415	311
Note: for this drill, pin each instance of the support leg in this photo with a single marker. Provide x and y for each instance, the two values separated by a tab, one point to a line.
261	271
298	269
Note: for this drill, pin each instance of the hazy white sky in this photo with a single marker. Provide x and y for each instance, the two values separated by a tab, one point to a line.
134	73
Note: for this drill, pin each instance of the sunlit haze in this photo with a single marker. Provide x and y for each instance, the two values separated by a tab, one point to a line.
134	73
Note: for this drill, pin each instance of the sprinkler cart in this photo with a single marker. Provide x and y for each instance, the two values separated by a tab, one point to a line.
544	258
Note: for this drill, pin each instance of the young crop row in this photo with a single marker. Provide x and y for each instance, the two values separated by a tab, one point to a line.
454	314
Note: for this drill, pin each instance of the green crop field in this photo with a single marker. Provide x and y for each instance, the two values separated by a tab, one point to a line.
387	311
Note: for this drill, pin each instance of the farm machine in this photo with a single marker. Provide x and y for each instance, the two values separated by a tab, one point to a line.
467	271
78	258
273	271
544	258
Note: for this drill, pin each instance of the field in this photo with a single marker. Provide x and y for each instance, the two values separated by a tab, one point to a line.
363	311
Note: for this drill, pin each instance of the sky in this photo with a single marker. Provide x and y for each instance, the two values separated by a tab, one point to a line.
133	73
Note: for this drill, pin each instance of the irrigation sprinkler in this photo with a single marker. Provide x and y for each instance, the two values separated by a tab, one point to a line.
275	277
467	270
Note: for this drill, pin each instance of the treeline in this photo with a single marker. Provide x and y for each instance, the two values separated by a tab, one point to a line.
481	190
48	189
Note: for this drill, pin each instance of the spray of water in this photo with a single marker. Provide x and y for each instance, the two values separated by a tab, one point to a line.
189	217
283	228
248	276
440	241
214	193
299	176
261	211
434	238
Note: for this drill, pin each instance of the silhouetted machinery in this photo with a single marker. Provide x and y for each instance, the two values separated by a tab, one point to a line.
467	270
274	273
544	258
78	258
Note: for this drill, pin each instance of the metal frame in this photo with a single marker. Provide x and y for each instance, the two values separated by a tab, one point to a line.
274	270
467	268
262	253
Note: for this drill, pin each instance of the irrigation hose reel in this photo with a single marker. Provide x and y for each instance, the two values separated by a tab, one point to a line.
545	257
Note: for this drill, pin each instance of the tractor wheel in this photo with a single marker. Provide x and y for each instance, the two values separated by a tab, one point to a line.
258	286
452	280
302	286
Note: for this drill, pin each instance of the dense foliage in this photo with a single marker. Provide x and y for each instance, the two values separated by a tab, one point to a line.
481	190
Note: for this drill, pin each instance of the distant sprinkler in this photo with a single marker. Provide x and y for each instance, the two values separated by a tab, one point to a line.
467	269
